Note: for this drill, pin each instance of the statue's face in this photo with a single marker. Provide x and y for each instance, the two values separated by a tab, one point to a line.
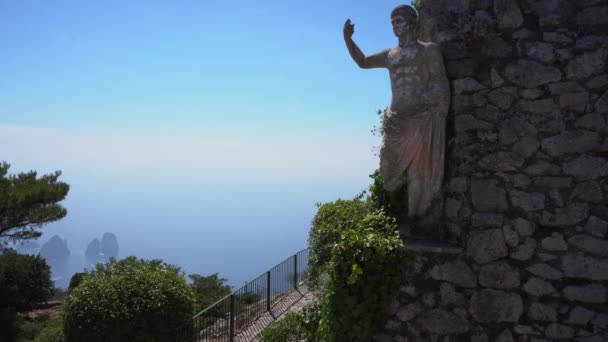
401	25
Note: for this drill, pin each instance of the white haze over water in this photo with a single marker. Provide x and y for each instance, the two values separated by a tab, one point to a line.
235	206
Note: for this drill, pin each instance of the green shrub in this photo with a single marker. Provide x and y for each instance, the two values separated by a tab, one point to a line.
76	280
52	331
208	290
24	280
288	329
330	221
367	268
129	300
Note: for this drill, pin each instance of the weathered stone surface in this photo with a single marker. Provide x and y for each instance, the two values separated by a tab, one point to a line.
528	201
570	142
526	147
555	242
464	123
461	68
530	94
503	97
543	106
593	18
589	244
565	88
572	214
546	257
457	272
499	275
521	329
467	85
593	293
598	83
443	322
559	331
587	167
487	220
574	101
564	54
580	316
531	74
584	267
452	206
458	185
501	161
592	122
540	51
524	227
596	227
524	251
409	312
449	295
588	192
587	64
538	287
558	38
554	182
590	42
486	246
496	79
496	47
496	306
601	105
505	336
508	14
546	271
512	128
542	312
521	181
511	236
543	168
487	196
600	321
428	299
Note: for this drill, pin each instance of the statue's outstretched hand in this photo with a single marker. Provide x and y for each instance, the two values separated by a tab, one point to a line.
349	29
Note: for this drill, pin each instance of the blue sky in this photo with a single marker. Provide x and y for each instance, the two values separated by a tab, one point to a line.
141	102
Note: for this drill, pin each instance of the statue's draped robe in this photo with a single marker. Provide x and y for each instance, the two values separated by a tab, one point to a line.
414	142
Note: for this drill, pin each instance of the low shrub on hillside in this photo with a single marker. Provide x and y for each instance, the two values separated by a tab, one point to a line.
129	300
25	280
52	331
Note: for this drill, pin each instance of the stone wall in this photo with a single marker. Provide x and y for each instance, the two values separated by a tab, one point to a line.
526	177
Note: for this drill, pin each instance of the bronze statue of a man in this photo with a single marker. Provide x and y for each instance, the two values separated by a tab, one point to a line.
414	124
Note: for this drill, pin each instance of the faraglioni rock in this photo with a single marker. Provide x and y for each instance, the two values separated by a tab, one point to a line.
54	249
93	249
109	245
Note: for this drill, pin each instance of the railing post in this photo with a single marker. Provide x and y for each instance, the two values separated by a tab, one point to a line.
232	314
295	271
268	291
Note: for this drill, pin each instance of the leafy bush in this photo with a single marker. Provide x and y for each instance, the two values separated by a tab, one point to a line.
24	280
52	331
129	300
288	329
356	245
208	290
331	219
76	280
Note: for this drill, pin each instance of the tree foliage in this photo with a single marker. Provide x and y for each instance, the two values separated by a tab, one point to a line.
27	202
208	290
24	280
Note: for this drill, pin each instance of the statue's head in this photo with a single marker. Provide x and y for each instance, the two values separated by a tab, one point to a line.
404	19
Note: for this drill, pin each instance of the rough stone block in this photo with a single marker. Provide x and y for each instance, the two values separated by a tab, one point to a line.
589	244
524	227
496	306
546	271
524	251
555	242
540	51
442	322
587	167
574	101
538	287
526	147
593	293
487	196
554	182
580	316
456	272
542	312
409	311
592	122
565	88
559	331
572	214
570	142
486	246
531	74
587	64
467	85
596	227
508	14
499	275
528	201
584	267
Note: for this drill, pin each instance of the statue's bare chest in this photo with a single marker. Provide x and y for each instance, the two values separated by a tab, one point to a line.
406	59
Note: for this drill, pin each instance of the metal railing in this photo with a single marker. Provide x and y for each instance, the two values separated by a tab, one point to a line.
246	311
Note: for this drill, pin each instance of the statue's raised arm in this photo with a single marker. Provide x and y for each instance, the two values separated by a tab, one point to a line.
377	60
